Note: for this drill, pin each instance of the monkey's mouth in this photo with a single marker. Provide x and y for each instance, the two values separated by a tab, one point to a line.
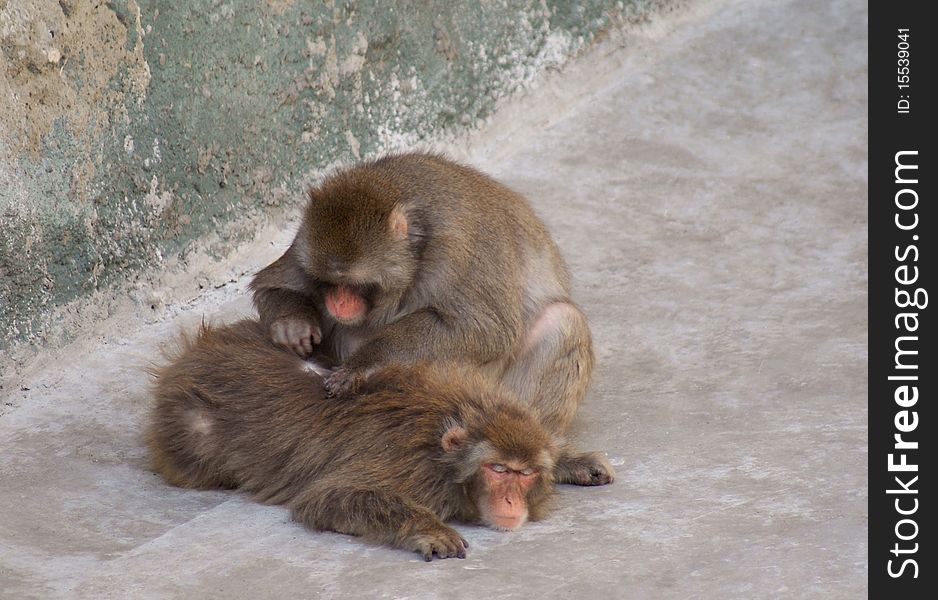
347	303
508	523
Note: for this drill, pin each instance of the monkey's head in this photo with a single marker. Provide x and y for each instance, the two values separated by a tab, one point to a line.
505	459
359	240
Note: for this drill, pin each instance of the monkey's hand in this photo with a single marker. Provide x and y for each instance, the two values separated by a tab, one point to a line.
345	380
440	540
296	333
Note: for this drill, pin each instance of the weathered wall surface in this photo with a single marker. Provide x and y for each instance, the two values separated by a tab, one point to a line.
131	130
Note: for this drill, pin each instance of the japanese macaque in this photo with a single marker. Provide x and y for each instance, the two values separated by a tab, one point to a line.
415	258
415	446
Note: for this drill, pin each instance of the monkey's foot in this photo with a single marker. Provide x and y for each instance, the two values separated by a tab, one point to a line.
590	468
297	334
441	542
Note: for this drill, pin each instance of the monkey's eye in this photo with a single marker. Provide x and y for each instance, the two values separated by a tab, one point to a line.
528	472
499	468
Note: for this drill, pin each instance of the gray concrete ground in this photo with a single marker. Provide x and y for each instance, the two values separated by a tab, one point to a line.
707	183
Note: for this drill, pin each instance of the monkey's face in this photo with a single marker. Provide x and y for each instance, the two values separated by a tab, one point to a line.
359	252
503	492
512	460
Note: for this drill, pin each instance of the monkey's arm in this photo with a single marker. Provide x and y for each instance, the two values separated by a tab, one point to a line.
282	297
379	515
424	335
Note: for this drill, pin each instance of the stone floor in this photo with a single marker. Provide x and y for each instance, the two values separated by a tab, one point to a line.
706	180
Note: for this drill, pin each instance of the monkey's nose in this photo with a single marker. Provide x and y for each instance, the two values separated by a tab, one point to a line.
335	265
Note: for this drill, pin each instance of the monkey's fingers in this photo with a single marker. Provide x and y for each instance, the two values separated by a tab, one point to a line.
341	381
591	468
444	550
454	544
299	335
425	548
444	543
600	469
334	383
601	476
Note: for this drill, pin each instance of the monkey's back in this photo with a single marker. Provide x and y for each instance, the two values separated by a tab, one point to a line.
488	239
462	198
232	410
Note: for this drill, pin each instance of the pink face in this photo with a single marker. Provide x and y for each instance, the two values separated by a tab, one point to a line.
503	497
505	505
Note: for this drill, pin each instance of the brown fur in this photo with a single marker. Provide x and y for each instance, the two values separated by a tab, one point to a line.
234	410
453	265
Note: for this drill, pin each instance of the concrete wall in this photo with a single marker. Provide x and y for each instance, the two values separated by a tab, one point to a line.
132	131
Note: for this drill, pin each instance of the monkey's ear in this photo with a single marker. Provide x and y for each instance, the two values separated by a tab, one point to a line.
454	437
397	223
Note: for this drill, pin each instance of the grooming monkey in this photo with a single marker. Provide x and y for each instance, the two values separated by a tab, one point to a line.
413	257
416	446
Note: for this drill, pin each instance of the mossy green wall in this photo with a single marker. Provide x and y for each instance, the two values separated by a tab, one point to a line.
130	129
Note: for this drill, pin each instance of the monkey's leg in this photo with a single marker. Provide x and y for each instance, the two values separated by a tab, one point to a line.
552	373
583	468
379	515
552	370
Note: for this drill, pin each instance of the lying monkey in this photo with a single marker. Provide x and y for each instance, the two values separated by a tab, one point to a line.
416	446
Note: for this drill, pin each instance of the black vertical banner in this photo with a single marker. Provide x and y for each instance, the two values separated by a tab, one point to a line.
903	374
